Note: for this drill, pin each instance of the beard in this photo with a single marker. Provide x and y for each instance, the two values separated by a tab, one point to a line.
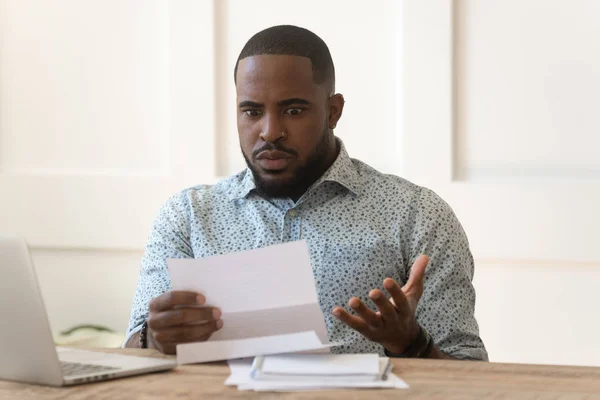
303	176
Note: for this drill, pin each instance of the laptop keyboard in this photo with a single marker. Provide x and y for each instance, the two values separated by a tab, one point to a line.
72	368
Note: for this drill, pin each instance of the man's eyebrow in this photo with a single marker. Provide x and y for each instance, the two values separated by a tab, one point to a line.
294	100
252	104
282	103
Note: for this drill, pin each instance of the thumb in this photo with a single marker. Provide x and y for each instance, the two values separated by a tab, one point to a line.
414	285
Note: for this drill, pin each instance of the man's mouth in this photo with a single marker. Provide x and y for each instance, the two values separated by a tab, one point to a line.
273	160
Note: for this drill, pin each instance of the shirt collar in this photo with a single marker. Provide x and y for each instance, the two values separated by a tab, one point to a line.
342	171
242	188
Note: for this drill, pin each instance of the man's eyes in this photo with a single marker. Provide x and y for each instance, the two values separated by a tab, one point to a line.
253	113
294	111
259	113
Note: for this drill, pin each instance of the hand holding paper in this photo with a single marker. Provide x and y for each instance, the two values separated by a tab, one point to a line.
258	307
178	317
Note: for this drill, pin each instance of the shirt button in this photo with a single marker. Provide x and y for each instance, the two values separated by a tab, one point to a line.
293	213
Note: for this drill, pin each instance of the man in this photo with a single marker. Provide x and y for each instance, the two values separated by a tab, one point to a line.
368	233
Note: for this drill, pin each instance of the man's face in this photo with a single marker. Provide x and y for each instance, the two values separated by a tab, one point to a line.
284	120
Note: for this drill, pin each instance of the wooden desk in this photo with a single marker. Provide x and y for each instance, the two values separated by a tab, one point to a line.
428	379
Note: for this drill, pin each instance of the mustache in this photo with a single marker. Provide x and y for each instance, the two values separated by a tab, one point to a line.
273	147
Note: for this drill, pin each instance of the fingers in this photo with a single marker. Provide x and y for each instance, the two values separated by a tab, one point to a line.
414	287
182	316
364	312
386	309
417	274
398	297
186	334
352	321
402	303
176	318
171	299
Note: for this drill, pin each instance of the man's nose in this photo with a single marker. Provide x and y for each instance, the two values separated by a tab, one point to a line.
272	129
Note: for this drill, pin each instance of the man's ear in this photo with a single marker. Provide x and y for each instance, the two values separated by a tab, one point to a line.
336	107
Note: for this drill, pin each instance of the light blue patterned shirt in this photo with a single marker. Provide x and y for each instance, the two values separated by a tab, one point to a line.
361	227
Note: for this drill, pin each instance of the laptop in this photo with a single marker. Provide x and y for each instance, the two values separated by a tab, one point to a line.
27	350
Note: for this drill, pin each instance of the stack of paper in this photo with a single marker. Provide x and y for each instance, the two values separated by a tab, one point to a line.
292	372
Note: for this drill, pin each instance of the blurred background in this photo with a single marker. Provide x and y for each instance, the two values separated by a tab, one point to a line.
108	107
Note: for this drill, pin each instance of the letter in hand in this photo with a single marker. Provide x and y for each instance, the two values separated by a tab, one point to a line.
178	317
394	325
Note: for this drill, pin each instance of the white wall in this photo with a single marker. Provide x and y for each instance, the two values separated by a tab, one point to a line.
499	120
87	210
86	286
539	312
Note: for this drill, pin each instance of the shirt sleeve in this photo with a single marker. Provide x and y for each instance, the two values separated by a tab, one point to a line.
169	238
446	309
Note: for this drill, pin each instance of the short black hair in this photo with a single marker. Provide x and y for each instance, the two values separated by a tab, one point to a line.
293	41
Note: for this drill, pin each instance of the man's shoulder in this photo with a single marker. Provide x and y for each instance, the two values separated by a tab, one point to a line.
389	186
374	182
205	194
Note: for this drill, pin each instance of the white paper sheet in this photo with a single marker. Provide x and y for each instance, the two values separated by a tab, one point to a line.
322	364
269	277
240	371
240	376
189	353
266	292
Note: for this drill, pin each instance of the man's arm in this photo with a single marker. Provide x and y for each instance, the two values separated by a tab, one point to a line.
427	317
169	238
446	308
